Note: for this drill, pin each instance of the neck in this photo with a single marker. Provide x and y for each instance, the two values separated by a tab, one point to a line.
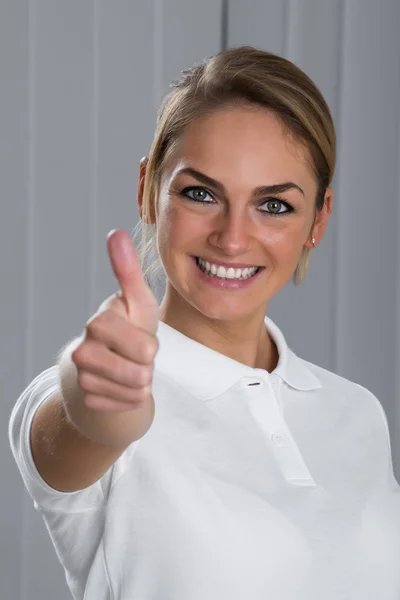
244	340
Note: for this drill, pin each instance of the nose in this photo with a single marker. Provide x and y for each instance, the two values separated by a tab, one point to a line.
232	232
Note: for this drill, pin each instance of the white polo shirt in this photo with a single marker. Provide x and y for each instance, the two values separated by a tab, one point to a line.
248	485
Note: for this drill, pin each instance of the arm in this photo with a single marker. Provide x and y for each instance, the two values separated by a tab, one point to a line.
72	445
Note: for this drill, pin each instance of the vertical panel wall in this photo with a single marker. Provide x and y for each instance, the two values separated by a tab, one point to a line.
14	135
81	83
82	91
58	222
368	191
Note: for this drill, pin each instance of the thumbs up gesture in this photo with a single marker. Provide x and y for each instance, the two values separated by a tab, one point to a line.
115	358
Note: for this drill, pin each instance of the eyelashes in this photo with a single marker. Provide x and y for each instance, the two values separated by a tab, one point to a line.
200	200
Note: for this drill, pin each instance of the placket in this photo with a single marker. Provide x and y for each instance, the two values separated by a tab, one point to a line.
264	405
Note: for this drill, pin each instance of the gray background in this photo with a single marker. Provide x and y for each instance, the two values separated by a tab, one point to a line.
80	82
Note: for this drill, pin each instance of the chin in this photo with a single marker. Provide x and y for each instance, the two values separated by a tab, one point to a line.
223	312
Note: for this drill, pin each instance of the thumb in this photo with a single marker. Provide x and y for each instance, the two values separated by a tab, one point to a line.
141	304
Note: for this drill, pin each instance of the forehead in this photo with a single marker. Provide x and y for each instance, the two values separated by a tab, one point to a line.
243	144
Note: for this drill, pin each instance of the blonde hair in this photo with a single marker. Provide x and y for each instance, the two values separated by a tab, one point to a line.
242	75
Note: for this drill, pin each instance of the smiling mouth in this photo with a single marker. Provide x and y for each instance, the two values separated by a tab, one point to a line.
226	266
214	275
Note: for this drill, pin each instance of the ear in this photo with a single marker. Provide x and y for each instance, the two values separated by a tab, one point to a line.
321	219
142	173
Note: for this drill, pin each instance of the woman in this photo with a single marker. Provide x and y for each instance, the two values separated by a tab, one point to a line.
183	451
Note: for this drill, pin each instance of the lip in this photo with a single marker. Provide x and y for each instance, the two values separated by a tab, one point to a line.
232	265
229	284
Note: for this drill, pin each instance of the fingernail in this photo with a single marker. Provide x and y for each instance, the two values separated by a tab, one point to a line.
110	233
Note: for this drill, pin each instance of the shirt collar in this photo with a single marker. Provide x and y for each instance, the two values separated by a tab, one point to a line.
206	373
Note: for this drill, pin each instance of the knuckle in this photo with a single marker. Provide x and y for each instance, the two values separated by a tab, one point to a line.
144	377
86	354
86	381
76	355
150	349
156	345
79	355
95	328
100	323
143	394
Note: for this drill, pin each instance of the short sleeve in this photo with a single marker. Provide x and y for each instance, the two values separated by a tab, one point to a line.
44	496
383	423
381	411
384	420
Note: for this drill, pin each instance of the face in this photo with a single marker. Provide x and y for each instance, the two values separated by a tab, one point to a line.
217	202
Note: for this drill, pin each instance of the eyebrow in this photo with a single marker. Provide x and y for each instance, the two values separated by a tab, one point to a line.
263	190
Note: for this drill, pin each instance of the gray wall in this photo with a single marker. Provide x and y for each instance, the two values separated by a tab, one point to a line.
80	84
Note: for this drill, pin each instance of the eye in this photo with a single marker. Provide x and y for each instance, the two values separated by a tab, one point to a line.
199	194
273	202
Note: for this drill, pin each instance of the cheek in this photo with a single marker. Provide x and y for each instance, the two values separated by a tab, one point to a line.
284	244
178	228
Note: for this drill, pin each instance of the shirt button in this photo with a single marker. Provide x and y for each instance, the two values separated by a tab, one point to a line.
278	439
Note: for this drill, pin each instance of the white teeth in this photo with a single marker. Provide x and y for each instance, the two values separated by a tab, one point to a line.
230	273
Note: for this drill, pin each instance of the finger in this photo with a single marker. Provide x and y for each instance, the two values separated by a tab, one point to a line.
94	384
126	266
108	404
121	336
98	359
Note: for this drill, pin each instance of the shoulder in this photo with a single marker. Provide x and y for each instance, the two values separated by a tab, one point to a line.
331	381
356	397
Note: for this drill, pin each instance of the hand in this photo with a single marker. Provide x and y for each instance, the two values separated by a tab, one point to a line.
115	359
